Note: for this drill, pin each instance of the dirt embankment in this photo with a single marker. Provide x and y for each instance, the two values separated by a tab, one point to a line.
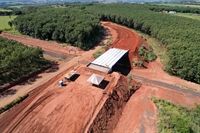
108	116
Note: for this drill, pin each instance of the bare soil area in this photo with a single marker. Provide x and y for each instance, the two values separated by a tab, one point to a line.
52	108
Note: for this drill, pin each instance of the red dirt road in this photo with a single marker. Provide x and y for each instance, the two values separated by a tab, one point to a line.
47	46
126	39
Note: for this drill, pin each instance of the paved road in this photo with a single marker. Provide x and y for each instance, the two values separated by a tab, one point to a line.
169	86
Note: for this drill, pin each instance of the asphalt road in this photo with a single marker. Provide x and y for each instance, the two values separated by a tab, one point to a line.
169	86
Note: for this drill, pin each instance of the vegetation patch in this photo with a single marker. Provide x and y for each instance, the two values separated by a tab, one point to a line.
18	60
5	10
13	103
4	22
189	15
147	54
101	50
138	63
176	118
68	25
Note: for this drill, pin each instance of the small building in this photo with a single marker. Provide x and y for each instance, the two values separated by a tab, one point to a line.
113	59
172	12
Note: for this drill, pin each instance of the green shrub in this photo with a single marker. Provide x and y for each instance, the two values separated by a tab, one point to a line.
147	55
138	63
142	51
130	87
151	56
98	53
130	77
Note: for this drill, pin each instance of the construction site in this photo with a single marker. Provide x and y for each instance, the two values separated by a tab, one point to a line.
96	95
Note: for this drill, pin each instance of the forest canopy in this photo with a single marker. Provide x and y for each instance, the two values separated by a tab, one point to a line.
69	25
17	60
180	35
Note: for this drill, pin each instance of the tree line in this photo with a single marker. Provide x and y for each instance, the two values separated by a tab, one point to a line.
10	12
70	25
17	60
180	35
182	9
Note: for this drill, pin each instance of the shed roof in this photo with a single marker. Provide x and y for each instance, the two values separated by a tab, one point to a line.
110	57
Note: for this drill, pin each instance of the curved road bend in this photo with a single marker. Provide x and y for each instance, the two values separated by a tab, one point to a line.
170	86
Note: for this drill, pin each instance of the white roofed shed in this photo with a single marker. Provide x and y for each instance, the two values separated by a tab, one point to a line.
108	59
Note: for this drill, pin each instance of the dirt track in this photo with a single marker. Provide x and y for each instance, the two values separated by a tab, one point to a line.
51	108
46	46
126	39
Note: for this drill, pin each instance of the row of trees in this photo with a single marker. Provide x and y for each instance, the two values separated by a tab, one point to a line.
180	35
69	25
10	12
5	13
17	60
182	9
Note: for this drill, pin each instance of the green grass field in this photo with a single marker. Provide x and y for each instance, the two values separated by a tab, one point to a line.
4	25
195	6
188	15
5	10
172	4
179	5
4	22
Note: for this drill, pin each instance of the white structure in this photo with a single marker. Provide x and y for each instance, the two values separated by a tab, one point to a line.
172	12
95	79
107	60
